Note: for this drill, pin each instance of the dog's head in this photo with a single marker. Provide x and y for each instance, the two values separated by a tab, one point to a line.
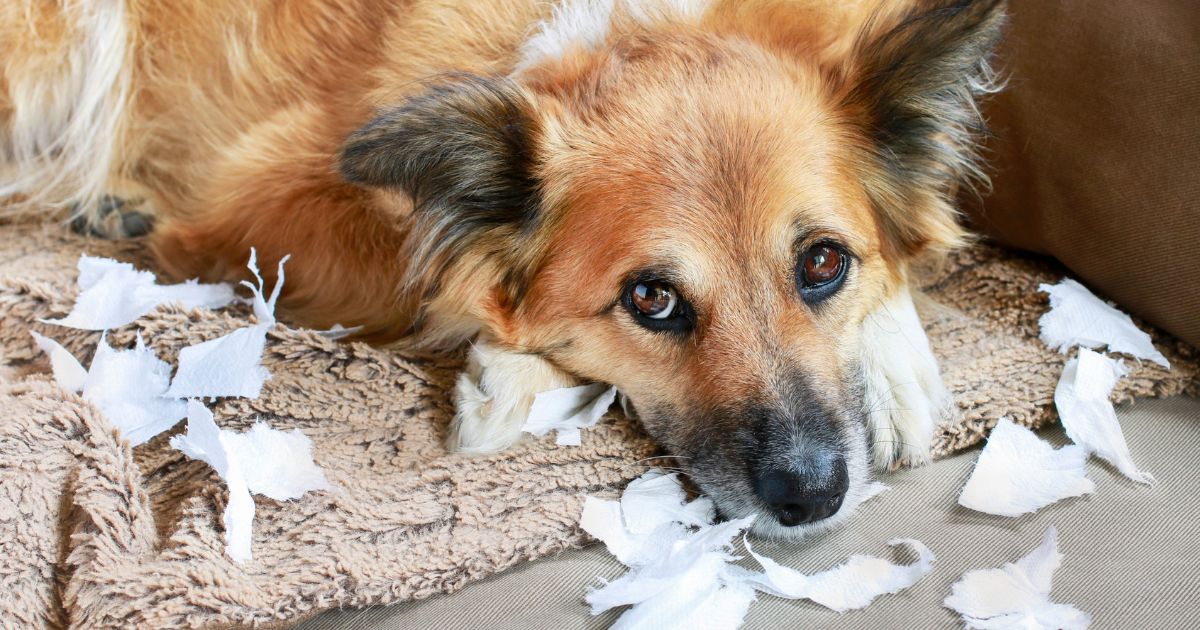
701	210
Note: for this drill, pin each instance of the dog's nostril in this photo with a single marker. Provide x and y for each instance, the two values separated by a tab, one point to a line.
796	500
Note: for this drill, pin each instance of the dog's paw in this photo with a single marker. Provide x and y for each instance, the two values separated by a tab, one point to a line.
493	396
113	217
904	396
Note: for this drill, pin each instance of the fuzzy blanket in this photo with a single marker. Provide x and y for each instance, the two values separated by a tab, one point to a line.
96	534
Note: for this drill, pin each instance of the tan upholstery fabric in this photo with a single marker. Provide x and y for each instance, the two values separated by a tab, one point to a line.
99	535
1130	551
1096	156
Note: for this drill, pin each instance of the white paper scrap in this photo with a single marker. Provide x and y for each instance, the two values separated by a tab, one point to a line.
338	331
229	365
1018	473
1017	595
206	442
850	586
1082	399
128	386
68	371
275	464
1077	317
113	294
681	571
568	410
656	498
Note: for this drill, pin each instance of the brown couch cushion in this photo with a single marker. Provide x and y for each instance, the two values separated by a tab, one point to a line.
1096	159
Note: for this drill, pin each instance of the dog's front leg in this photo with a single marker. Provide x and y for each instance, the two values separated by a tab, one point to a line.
904	395
494	393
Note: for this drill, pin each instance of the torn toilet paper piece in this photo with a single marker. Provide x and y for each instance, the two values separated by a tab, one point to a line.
113	294
263	460
205	441
68	371
276	464
338	331
568	410
1017	595
656	498
1082	399
1077	317
1018	473
849	586
128	386
680	564
229	365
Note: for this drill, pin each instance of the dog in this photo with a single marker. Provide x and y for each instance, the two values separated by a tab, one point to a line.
716	206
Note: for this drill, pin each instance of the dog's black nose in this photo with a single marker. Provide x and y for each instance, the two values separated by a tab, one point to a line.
797	499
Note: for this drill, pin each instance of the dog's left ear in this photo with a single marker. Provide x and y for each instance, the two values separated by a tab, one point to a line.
463	152
911	89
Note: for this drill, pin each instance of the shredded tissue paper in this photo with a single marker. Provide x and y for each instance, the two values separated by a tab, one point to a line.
1082	399
113	294
135	392
681	571
275	464
126	385
1018	473
565	411
229	365
1079	318
1017	595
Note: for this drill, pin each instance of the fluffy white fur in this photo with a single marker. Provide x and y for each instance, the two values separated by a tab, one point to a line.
905	396
586	24
60	145
494	394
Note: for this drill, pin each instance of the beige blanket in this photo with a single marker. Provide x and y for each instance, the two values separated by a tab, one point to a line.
95	534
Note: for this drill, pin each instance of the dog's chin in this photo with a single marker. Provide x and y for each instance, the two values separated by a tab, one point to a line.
739	502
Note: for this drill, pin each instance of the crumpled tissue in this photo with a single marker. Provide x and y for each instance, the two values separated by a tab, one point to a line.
1082	399
113	294
849	586
275	464
1017	595
1018	473
128	386
681	571
567	410
229	365
1077	317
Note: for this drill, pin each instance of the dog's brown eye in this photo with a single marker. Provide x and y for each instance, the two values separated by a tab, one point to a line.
822	264
820	271
653	299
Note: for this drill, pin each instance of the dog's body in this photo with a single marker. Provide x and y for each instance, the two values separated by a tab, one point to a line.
712	204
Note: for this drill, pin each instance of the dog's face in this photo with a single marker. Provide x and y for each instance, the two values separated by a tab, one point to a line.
703	221
713	257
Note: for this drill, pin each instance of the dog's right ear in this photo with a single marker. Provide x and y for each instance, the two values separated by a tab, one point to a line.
463	151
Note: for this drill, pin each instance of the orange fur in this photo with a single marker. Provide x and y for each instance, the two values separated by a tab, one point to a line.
506	168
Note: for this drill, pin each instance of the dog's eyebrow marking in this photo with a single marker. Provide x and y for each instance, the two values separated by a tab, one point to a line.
805	234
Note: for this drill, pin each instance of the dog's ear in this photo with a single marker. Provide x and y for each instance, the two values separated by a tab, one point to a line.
912	88
463	152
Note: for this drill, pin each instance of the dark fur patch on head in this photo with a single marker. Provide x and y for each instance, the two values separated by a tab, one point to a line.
463	151
916	87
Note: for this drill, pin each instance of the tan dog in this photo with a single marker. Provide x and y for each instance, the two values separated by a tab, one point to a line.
712	204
